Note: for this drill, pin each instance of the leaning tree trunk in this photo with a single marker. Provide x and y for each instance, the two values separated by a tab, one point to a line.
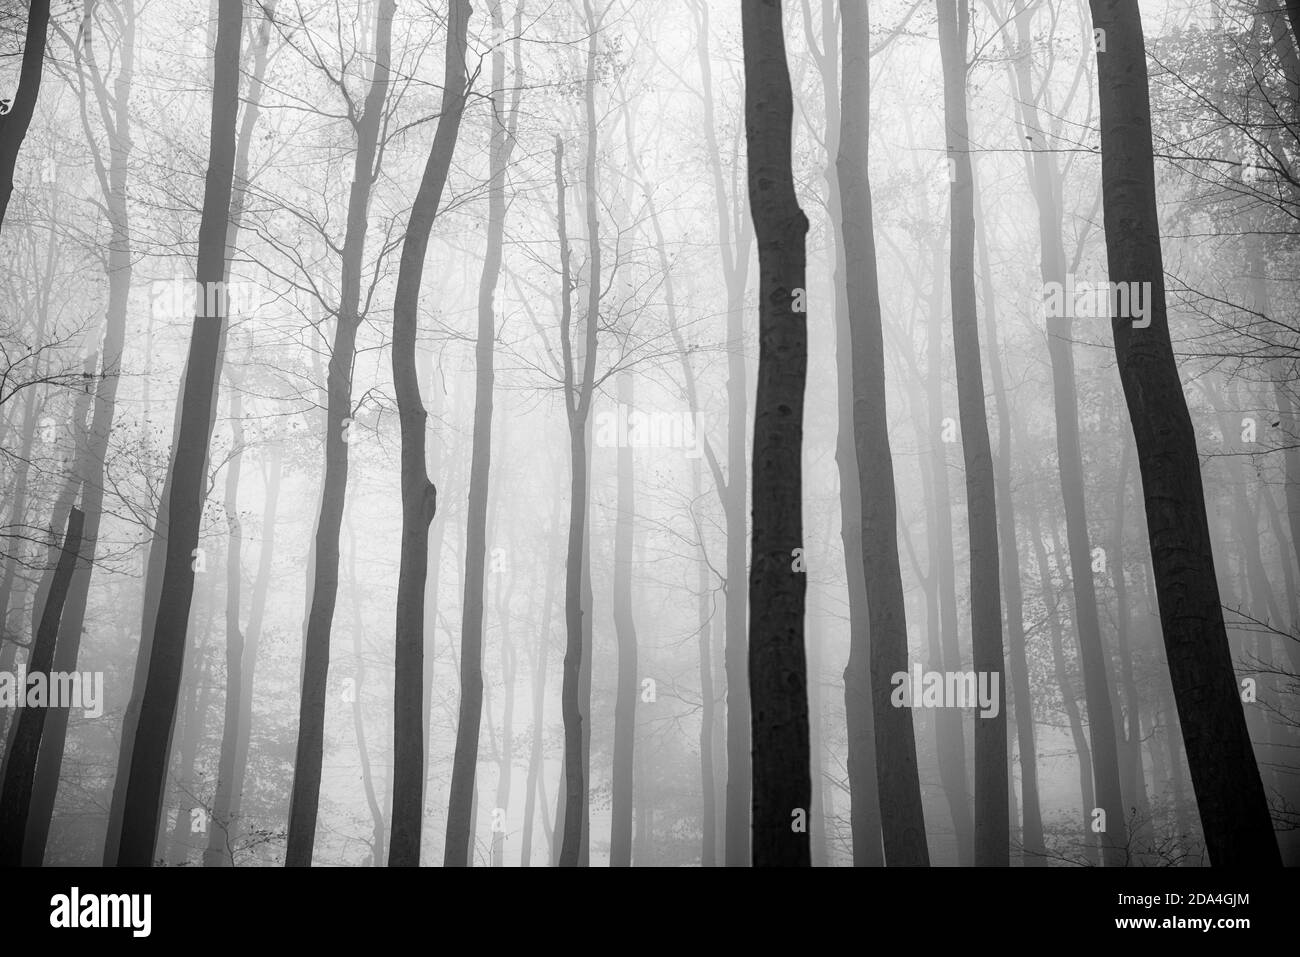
20	760
305	797
143	799
880	650
991	822
778	679
419	496
93	475
1225	776
13	125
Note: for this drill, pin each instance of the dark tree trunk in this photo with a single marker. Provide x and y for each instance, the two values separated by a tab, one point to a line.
419	496
305	797
1229	792
991	825
20	760
93	473
143	797
778	679
14	123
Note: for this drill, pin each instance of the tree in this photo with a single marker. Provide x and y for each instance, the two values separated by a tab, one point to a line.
15	121
20	761
991	795
1225	777
880	650
778	678
90	470
419	495
158	705
735	237
459	838
338	417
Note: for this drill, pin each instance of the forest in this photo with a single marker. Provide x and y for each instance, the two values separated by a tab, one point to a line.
649	432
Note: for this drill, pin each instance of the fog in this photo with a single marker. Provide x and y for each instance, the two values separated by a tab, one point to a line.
897	544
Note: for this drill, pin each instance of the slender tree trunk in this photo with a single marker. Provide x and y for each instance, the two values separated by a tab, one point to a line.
465	761
305	797
358	709
734	239
1133	783
950	734
540	654
1229	792
92	474
20	762
864	798
620	844
419	496
193	725
14	123
880	651
219	852
158	705
1047	186
778	678
991	827
576	691
1031	838
252	639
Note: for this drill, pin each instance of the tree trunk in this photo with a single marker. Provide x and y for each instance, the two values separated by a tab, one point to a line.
576	691
219	852
991	827
778	679
950	734
305	797
459	838
620	847
20	763
419	496
879	651
1047	185
14	123
734	236
1229	792
119	269
864	798
185	506
1031	839
252	640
